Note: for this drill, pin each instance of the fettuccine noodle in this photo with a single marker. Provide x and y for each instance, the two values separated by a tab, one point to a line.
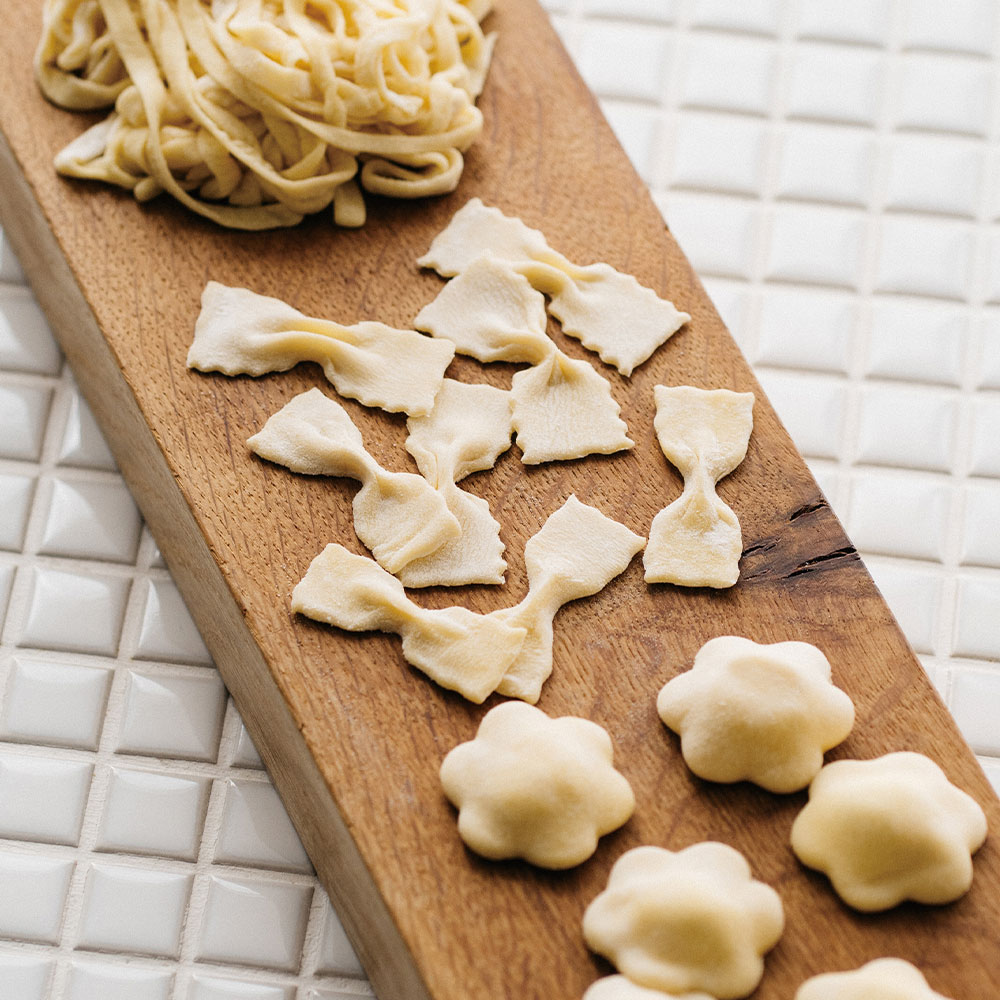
255	113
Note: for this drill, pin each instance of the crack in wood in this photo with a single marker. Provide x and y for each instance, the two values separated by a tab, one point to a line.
808	508
846	552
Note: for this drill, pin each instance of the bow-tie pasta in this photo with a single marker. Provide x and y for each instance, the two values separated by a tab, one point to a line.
885	979
760	713
622	988
536	788
889	829
694	920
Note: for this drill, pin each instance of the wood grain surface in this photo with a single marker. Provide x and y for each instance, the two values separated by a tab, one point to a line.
353	736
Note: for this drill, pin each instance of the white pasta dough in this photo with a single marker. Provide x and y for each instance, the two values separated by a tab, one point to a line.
255	113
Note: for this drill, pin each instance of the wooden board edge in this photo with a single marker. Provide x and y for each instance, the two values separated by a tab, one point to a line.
370	927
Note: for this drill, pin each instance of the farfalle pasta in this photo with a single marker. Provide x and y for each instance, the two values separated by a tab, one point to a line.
255	113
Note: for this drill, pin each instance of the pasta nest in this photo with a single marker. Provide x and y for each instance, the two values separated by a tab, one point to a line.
255	113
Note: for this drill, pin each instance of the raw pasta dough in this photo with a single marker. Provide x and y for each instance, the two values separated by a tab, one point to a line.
456	648
398	515
761	713
691	920
576	552
696	541
562	408
882	979
889	829
239	332
468	429
610	313
255	113
536	788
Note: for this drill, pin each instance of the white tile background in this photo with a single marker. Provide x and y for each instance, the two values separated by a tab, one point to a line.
832	171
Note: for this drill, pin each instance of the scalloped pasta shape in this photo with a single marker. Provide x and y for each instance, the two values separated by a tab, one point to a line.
398	515
532	787
239	332
457	648
694	920
760	713
888	830
883	978
610	313
696	541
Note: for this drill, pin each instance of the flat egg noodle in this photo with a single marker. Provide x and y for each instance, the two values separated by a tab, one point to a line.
257	112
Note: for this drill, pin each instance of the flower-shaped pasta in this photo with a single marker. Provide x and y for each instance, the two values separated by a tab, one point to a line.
694	920
536	788
889	829
885	978
622	988
761	713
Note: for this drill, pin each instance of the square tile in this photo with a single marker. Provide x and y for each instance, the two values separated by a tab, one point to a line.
977	626
82	612
966	25
256	831
153	813
53	703
899	514
806	329
987	362
82	443
728	74
907	426
337	956
719	237
637	128
918	341
10	267
980	537
95	980
719	153
935	174
606	47
24	411
943	94
168	632
732	302
812	407
91	519
826	163
914	597
924	257
6	582
25	976
245	753
133	910
762	16
205	986
864	22
656	11
26	342
984	458
172	714
16	494
975	703
33	897
836	83
42	799
259	922
820	246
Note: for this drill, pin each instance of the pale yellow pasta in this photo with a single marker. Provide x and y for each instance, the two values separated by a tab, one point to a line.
255	113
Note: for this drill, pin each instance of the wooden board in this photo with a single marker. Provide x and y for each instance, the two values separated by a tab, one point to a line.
352	736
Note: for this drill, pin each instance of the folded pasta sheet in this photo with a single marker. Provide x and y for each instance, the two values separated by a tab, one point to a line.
398	515
239	332
610	313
